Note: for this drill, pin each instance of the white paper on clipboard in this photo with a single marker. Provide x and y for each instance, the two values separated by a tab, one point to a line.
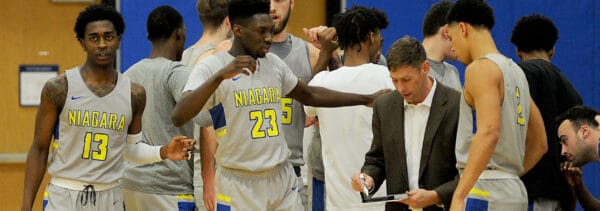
388	198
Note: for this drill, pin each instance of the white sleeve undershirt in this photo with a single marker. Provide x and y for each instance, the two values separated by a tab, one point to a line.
136	151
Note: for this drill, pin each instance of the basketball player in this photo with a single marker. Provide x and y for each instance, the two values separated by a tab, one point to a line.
346	132
247	83
301	58
500	131
165	185
438	46
96	116
535	36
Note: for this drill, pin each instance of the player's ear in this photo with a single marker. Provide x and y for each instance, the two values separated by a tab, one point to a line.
81	43
236	29
178	34
371	37
463	29
226	22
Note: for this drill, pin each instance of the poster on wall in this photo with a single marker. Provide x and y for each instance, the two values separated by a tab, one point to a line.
31	81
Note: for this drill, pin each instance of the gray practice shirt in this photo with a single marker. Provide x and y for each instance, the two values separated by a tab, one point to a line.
163	80
445	73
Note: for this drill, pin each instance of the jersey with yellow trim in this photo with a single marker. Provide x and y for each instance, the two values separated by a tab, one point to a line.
509	152
251	105
293	113
92	132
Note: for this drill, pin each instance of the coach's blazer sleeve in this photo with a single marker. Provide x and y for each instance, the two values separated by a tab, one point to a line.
374	164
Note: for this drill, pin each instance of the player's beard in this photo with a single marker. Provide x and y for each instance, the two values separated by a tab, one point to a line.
283	23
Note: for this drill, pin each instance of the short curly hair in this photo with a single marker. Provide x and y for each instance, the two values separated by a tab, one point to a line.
533	33
354	25
475	12
435	17
162	22
97	12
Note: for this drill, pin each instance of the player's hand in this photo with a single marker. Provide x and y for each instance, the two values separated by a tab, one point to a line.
209	196
421	198
377	94
178	148
573	174
242	64
312	35
357	185
311	120
328	40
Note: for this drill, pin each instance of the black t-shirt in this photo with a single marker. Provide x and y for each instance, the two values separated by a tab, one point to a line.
553	94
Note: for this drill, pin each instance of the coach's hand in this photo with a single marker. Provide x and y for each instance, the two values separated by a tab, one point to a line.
357	185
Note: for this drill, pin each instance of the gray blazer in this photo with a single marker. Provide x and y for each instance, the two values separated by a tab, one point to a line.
386	160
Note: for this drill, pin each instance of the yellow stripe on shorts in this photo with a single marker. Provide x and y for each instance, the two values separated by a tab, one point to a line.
221	132
224	198
479	192
185	196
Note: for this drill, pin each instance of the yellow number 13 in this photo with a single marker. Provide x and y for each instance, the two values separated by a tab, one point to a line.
96	154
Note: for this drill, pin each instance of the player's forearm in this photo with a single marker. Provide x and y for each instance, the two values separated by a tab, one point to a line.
192	102
322	97
136	151
208	149
322	62
586	199
479	155
34	173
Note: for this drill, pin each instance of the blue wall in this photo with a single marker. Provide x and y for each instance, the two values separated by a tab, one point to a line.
577	50
134	45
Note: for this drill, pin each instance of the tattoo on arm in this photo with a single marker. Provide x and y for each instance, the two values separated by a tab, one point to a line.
56	91
138	98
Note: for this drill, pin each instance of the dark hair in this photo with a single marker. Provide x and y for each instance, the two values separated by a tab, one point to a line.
579	116
406	51
162	22
97	12
435	18
212	12
241	10
474	12
533	33
354	25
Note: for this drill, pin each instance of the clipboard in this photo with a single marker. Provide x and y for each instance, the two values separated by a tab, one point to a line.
388	198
